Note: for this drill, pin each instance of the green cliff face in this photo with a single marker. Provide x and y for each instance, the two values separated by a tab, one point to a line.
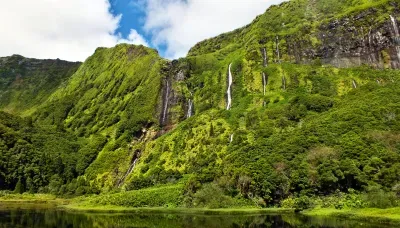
26	83
314	106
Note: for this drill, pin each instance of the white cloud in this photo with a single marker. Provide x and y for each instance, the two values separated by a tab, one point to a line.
179	24
134	38
65	29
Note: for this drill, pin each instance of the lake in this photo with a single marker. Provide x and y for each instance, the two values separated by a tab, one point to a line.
51	217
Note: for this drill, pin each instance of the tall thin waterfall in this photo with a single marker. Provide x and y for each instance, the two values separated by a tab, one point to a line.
397	35
372	57
264	83
228	92
277	50
283	82
190	108
395	26
165	110
230	138
264	56
354	84
130	170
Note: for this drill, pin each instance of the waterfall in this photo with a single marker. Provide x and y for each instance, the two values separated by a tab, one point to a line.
231	138
371	46
165	110
130	170
283	82
264	56
277	49
397	35
190	108
354	84
395	27
264	82
228	92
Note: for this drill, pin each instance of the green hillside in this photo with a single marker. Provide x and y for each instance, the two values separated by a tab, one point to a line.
26	83
314	113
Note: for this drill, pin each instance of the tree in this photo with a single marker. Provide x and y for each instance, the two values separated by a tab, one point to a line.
19	187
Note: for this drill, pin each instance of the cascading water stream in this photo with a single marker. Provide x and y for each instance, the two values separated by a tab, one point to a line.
395	27
354	84
277	50
190	108
397	35
228	92
264	83
130	170
372	58
231	138
264	55
165	103
283	82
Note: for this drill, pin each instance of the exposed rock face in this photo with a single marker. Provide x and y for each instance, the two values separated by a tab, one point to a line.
368	36
351	41
346	46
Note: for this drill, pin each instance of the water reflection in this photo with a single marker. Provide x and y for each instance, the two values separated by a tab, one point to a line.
44	218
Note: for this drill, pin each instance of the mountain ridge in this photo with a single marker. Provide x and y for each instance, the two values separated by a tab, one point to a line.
313	110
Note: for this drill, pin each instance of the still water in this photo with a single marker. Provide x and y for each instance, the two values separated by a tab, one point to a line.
50	217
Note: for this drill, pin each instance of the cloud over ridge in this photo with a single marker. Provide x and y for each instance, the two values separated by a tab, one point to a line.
179	24
73	29
69	30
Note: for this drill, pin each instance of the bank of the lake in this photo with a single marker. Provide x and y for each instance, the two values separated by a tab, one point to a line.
32	199
376	215
181	210
390	215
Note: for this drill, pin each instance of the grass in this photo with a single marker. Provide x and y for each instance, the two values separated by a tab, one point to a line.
26	197
390	215
30	201
179	210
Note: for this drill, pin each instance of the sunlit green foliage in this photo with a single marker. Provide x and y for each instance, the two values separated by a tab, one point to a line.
318	130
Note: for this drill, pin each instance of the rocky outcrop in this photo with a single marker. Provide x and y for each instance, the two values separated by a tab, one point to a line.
346	46
360	39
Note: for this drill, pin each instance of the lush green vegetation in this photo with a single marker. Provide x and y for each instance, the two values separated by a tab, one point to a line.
26	83
319	137
42	158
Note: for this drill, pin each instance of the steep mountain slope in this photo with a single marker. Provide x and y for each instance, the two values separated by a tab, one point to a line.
123	94
25	83
344	34
280	133
302	101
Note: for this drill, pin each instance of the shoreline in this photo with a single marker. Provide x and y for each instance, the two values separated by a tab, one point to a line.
177	210
387	216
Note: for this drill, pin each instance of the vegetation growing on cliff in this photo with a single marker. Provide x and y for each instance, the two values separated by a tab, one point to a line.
295	131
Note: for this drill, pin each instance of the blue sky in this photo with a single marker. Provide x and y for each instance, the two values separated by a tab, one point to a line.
73	29
133	17
150	18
